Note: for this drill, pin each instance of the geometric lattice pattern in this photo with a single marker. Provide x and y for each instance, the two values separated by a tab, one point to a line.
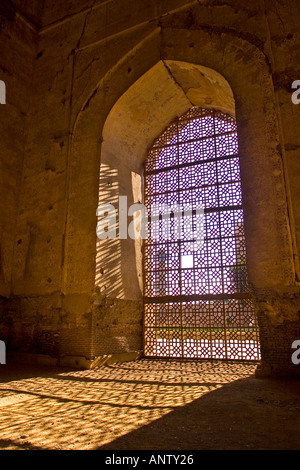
196	297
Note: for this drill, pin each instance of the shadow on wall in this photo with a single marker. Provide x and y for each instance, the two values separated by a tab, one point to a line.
108	259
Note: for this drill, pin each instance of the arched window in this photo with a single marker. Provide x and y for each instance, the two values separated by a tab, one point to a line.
196	298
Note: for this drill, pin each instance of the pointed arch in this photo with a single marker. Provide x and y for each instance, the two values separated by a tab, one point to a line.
197	298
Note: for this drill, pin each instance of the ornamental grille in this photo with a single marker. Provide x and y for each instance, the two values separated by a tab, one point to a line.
197	302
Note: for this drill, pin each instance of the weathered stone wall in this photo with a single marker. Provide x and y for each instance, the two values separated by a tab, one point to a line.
279	324
86	56
117	325
17	54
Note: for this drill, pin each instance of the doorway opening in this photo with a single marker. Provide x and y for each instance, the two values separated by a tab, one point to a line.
197	302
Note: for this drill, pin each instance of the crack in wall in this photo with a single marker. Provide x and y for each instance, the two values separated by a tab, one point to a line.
175	81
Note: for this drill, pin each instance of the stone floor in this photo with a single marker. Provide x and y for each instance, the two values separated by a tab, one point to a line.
147	404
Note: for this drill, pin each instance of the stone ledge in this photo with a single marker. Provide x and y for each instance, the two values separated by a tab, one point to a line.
77	362
116	358
265	371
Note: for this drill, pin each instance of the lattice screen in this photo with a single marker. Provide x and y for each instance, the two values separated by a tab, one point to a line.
196	298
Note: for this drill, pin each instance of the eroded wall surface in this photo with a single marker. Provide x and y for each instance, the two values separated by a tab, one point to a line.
17	55
72	64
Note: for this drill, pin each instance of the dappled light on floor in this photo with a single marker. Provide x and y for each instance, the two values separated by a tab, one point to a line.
88	409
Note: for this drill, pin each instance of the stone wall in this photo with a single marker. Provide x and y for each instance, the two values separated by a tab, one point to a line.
117	325
66	65
279	325
17	44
